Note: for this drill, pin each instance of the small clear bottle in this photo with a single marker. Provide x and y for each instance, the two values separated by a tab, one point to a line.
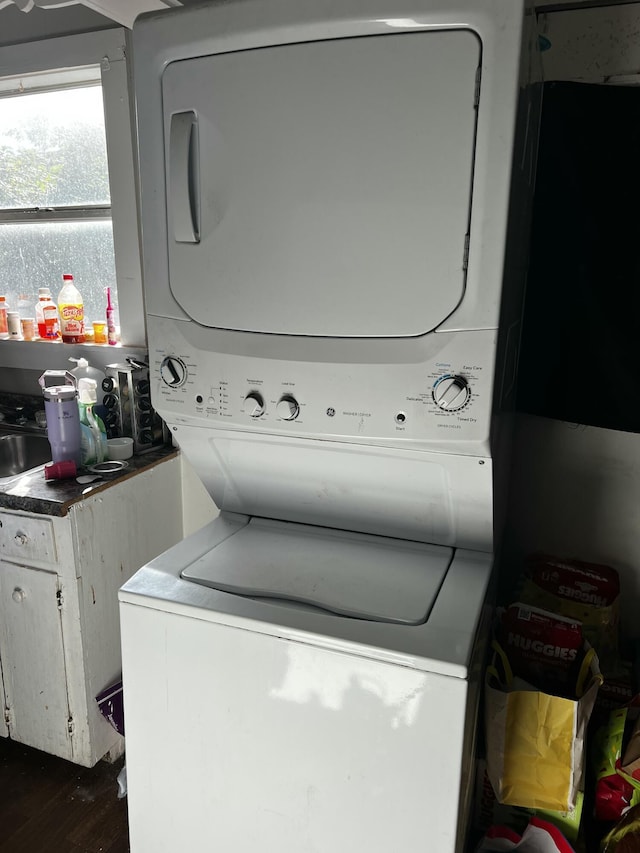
4	328
47	316
24	306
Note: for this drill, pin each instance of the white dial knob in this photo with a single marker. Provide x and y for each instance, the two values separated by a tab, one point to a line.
253	405
288	408
451	393
173	371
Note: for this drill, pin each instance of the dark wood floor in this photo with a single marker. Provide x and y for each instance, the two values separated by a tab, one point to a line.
48	805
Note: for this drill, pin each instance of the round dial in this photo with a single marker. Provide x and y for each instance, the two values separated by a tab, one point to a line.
288	408
173	371
451	393
253	405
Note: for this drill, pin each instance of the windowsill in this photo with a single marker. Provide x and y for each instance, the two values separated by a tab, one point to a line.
46	355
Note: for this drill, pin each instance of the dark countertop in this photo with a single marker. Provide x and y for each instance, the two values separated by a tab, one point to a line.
32	493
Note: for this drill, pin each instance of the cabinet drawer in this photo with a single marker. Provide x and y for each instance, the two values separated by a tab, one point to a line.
27	538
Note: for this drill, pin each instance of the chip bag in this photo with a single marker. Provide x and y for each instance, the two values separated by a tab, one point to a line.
625	836
539	837
613	794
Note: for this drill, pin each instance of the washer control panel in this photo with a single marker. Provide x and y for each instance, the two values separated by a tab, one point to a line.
447	397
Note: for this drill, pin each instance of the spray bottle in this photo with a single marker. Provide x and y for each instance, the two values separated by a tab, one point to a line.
112	336
93	434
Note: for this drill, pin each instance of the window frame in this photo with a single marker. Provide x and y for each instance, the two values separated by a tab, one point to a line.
108	50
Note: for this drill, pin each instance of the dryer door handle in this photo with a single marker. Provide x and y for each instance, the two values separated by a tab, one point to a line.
184	177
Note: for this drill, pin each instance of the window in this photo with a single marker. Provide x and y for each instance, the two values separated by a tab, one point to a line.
55	201
67	182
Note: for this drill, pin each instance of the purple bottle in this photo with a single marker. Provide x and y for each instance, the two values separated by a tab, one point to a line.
63	417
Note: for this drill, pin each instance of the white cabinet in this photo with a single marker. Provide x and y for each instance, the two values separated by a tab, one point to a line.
31	642
59	625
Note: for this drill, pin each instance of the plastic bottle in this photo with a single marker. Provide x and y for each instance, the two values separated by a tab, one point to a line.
4	328
93	434
71	309
25	306
112	335
83	370
13	322
47	316
63	416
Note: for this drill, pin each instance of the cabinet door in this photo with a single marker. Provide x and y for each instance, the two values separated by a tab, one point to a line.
32	653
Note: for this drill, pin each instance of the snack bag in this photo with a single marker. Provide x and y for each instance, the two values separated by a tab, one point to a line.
613	793
630	765
625	836
617	691
489	812
540	836
586	592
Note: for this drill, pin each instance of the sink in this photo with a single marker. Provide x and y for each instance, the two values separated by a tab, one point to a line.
20	452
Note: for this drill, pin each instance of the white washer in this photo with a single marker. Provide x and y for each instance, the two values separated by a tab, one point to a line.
325	197
259	724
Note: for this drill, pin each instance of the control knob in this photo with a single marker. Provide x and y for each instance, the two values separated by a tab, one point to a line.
173	371
253	405
451	393
288	408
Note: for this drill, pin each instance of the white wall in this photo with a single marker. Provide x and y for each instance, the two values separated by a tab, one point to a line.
575	491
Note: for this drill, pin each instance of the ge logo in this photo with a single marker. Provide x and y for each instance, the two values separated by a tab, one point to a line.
331	412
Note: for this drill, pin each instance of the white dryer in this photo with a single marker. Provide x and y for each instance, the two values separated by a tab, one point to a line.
332	310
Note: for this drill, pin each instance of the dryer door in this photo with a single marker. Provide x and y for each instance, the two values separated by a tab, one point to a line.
322	188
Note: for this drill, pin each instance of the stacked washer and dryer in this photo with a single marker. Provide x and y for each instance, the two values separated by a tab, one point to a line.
333	307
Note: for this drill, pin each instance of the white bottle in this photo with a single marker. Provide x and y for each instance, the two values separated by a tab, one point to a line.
83	370
47	316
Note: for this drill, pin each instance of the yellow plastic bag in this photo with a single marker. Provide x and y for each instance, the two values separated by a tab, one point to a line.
535	741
